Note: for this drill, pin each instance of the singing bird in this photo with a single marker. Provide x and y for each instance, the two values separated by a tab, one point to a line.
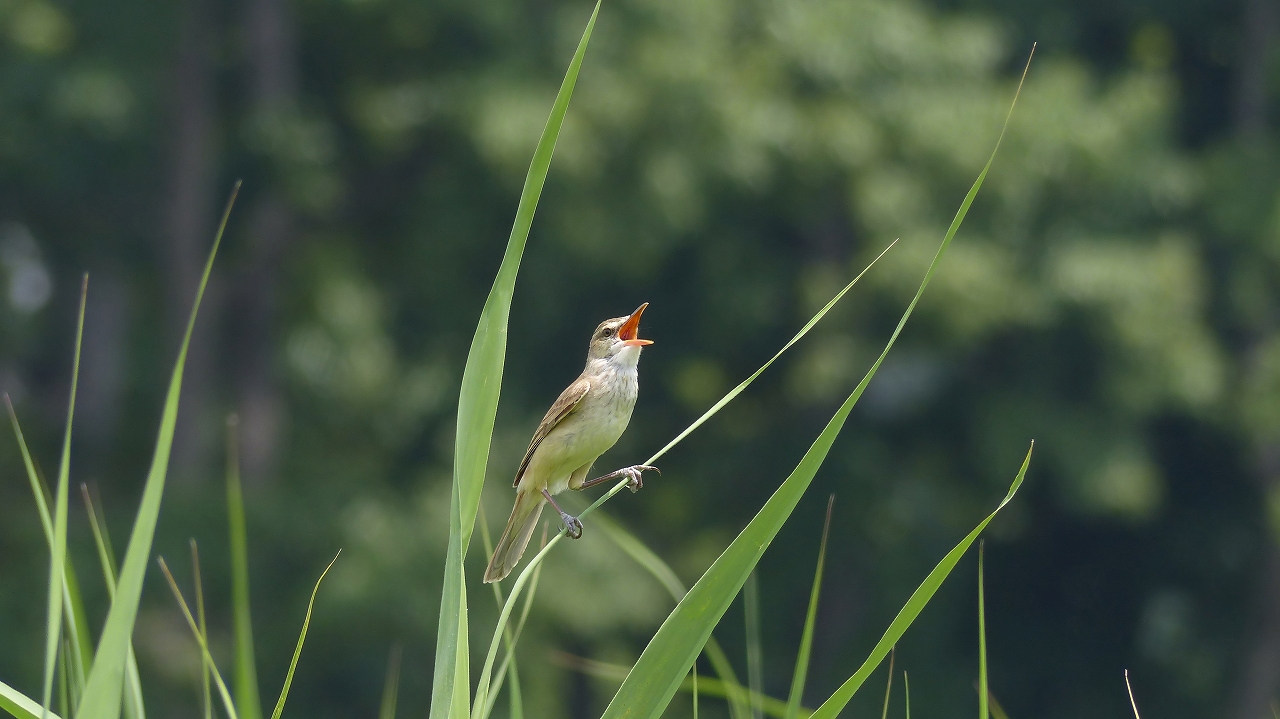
585	421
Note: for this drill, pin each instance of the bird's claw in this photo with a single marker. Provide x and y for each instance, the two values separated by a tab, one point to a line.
573	527
635	477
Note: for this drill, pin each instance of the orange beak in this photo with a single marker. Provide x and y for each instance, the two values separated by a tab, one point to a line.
627	333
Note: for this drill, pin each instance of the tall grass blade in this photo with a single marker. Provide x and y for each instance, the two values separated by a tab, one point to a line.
832	706
206	699
302	637
106	680
58	555
223	692
810	618
133	706
391	688
477	407
245	671
72	606
20	705
983	692
755	652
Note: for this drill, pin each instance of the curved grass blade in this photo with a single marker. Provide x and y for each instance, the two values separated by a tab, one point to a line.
105	683
919	598
695	690
302	637
983	692
20	705
245	671
477	408
810	618
227	704
391	689
58	554
511	638
1132	702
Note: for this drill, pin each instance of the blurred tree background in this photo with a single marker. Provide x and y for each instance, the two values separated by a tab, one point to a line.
1114	295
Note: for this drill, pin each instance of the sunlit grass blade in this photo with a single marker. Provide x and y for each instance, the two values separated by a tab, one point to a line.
477	408
302	637
888	685
983	692
58	554
706	686
206	699
915	604
133	706
20	705
106	680
391	688
64	687
1132	702
810	618
223	692
245	671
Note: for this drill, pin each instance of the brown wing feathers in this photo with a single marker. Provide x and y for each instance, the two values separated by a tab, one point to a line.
563	407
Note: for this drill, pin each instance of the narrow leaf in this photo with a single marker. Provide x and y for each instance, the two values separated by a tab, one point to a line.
915	604
755	653
20	705
223	692
58	556
810	618
302	637
983	692
206	698
888	685
245	672
106	680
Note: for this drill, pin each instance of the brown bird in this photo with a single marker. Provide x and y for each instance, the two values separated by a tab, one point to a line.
585	421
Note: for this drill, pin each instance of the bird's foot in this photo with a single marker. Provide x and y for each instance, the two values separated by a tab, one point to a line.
635	477
572	525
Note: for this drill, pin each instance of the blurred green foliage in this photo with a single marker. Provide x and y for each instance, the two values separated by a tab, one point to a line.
1112	295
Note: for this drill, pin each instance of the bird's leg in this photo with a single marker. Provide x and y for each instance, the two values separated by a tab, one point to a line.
571	523
632	473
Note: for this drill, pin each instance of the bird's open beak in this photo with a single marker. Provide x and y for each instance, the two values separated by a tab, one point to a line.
627	333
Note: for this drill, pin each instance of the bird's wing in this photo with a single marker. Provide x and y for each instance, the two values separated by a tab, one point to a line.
563	407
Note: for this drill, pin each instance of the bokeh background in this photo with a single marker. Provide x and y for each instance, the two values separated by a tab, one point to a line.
1113	295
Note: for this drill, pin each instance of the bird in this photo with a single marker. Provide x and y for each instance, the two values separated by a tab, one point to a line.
583	423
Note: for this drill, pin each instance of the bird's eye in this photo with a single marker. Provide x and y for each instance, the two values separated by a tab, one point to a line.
608	331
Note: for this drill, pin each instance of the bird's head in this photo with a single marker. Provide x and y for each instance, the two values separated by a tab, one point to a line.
618	340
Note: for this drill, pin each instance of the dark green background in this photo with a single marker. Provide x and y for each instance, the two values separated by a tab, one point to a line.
1113	295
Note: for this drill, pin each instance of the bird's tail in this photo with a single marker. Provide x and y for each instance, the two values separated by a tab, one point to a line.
524	517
